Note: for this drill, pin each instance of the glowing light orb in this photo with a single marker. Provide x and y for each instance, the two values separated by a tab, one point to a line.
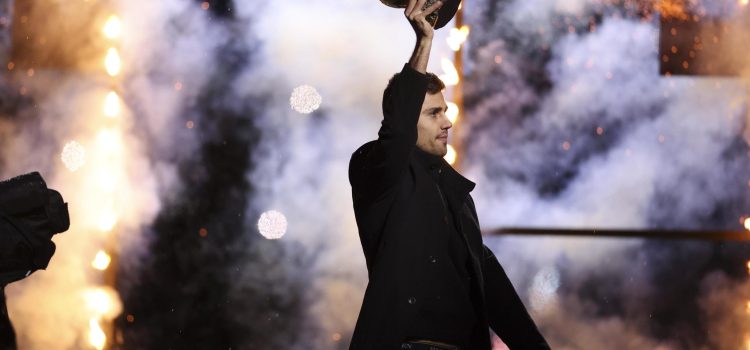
101	261
745	3
451	155
450	78
747	223
73	155
97	338
112	62
107	220
452	112
98	301
272	224
113	27
305	99
112	105
457	37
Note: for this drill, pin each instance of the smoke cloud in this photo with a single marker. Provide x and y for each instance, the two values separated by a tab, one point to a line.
567	124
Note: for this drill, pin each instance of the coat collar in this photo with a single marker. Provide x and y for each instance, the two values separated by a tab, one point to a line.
453	182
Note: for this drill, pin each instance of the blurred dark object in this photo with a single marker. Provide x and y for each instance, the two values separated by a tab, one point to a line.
30	214
7	336
693	45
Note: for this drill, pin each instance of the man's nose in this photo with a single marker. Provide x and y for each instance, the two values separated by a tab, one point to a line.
446	122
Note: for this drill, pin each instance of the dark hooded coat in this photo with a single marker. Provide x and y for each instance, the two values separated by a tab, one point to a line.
405	219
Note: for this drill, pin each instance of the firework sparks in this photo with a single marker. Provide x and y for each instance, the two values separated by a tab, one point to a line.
73	155
272	224
305	99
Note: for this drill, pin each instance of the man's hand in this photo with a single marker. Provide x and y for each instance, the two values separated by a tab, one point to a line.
417	18
424	31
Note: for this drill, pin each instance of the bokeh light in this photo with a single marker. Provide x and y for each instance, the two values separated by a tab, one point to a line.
272	224
101	261
450	156
73	155
305	99
113	27
112	105
97	338
452	112
457	37
112	62
98	301
450	78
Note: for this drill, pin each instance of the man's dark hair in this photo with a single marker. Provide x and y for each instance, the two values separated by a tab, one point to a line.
434	85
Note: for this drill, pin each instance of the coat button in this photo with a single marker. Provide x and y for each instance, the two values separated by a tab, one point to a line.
412	300
433	259
445	218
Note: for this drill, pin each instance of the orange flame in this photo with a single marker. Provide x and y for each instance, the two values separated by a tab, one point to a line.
672	9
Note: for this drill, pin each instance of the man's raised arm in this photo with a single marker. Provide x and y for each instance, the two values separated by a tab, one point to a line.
376	166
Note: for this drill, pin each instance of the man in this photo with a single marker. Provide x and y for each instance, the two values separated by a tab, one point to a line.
432	282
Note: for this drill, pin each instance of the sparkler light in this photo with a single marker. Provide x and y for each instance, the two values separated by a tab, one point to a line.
112	62
101	261
457	37
112	105
272	224
73	155
109	141
107	220
113	27
98	301
450	78
305	99
452	112
450	157
97	338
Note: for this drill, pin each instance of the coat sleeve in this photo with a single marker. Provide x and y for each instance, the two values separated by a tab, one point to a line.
507	314
376	168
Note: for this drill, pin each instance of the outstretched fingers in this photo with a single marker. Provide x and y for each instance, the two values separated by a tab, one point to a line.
410	7
416	10
433	8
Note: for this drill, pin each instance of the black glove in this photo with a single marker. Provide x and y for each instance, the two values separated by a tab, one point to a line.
30	214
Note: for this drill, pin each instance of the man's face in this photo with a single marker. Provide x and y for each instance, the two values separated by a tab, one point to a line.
433	125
